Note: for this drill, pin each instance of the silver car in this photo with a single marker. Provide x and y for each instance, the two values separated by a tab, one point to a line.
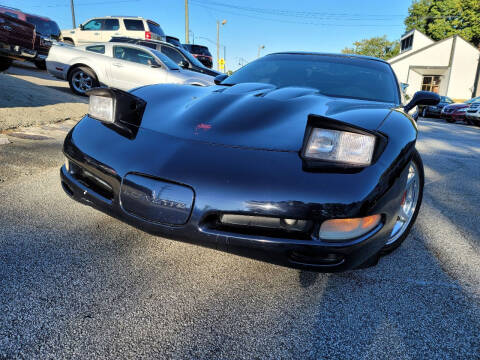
119	65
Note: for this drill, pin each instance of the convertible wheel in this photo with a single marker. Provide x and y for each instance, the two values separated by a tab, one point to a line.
82	79
411	201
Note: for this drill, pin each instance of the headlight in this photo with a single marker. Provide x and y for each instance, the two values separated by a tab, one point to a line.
340	146
101	108
463	110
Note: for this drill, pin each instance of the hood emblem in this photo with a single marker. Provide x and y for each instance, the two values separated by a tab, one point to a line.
202	126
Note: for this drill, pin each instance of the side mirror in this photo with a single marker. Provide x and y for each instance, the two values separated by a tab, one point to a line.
424	98
184	64
81	26
219	78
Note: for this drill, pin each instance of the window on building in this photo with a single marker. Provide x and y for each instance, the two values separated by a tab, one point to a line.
407	43
431	83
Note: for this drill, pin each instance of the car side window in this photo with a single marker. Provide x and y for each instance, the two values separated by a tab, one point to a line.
96	48
135	25
93	25
172	54
111	24
133	55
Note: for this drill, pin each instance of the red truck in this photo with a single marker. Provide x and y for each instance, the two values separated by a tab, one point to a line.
17	40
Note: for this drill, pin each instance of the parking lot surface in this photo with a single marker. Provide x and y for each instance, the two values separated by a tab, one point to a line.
77	283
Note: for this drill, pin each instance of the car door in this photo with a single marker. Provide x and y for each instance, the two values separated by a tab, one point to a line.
110	28
91	32
132	67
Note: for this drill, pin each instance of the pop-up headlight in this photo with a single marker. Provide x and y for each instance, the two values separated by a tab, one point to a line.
340	146
101	108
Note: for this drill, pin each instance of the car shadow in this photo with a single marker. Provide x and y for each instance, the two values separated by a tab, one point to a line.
17	92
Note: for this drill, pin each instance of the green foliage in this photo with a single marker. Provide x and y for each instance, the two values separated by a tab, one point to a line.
379	47
440	19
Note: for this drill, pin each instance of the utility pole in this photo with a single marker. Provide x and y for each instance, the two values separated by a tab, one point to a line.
187	31
72	6
218	41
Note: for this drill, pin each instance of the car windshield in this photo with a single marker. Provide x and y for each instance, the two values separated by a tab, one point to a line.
477	99
199	50
191	58
44	27
165	59
337	76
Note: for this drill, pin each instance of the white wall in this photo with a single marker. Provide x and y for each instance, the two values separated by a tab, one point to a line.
437	55
419	41
464	68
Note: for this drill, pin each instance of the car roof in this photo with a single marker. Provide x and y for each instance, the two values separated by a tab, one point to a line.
329	54
145	40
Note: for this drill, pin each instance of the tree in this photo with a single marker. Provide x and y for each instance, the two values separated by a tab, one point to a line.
440	19
378	46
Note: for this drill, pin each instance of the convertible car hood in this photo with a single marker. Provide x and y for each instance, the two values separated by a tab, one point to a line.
250	115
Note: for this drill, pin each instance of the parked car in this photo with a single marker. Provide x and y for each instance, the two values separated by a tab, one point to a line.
17	40
119	65
174	41
473	115
201	53
177	54
103	29
298	170
457	111
435	111
46	31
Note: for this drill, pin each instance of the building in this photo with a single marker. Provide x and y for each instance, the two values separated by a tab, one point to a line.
448	67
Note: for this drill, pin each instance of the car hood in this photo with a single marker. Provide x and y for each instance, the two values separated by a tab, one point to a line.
456	106
250	115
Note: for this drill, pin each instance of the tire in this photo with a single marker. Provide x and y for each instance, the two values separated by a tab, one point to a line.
5	63
397	238
450	120
41	65
82	79
68	41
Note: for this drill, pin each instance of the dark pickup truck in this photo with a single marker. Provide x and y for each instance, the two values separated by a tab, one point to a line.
17	40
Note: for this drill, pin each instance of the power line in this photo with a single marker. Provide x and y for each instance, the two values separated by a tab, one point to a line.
303	14
294	22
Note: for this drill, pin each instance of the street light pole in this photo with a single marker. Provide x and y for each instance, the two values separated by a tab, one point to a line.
218	41
72	6
187	31
260	47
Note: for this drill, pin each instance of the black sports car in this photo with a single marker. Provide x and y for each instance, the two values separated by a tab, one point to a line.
306	160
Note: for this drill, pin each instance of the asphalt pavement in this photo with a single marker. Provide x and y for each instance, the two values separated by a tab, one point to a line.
75	283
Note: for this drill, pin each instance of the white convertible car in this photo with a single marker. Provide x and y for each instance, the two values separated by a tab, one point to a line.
119	65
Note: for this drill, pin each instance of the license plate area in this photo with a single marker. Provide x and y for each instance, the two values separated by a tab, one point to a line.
156	200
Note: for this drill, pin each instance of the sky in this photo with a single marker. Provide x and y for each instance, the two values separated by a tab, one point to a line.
279	25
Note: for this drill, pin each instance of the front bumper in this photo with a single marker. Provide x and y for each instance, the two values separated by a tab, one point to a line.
17	52
254	193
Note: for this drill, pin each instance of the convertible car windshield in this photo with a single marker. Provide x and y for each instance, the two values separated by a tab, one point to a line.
337	76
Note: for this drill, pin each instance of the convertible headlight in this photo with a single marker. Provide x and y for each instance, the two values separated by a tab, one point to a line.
340	146
101	108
